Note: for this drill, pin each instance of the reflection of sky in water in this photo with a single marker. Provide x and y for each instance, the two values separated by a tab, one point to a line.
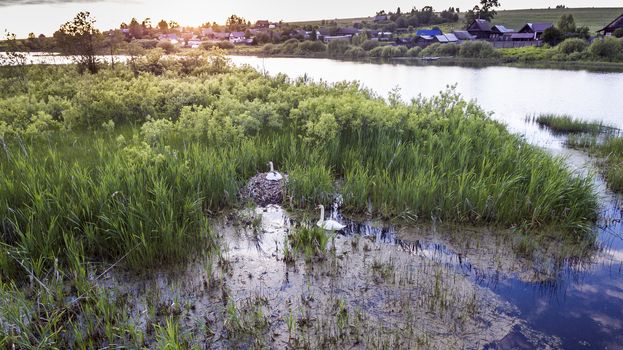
584	306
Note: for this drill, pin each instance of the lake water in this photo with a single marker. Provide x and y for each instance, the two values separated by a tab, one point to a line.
584	305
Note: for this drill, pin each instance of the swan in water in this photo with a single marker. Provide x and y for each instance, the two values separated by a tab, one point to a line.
273	175
330	225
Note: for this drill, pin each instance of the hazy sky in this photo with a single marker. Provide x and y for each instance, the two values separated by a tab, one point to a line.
45	16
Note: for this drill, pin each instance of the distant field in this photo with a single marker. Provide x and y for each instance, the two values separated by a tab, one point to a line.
594	18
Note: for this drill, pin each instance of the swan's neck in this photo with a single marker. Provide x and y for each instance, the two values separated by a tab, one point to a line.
272	170
322	214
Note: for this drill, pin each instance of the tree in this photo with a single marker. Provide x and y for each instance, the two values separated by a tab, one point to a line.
566	24
235	23
79	37
553	36
163	26
136	29
618	33
485	11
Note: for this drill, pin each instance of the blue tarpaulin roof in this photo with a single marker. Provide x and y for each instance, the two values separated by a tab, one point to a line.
429	32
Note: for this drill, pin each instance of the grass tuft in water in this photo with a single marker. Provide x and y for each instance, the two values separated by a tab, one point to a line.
567	124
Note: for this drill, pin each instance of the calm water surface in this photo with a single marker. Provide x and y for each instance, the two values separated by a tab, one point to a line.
584	306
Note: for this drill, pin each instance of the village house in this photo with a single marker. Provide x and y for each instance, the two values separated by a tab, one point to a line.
329	38
428	32
237	37
384	36
481	29
463	35
613	26
536	29
348	31
500	32
262	24
446	39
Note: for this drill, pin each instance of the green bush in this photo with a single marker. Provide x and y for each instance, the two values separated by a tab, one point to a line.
450	50
618	33
355	52
430	50
606	49
572	45
225	45
370	44
477	49
168	47
376	52
337	48
312	46
414	51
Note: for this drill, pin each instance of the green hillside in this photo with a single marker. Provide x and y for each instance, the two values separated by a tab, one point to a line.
594	18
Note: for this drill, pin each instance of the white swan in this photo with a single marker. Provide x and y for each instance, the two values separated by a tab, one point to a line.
273	175
330	225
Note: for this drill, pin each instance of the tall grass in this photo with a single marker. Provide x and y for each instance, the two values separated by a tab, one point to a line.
567	124
612	152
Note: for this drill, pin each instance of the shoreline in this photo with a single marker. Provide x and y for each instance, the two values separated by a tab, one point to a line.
597	67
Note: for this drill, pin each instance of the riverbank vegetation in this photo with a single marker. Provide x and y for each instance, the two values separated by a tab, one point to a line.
567	124
602	141
129	165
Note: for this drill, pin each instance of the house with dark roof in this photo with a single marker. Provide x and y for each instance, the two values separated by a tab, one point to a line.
237	37
500	32
348	31
521	36
381	18
463	35
480	28
446	39
614	25
536	29
262	24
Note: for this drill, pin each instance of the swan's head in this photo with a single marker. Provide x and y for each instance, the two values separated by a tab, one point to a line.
320	206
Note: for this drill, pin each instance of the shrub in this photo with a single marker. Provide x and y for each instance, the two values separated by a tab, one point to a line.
370	44
167	46
355	52
290	47
572	45
478	49
225	45
430	50
312	46
376	52
337	47
414	51
608	49
448	50
618	33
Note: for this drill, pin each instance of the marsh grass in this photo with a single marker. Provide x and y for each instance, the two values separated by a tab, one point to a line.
567	124
310	241
612	152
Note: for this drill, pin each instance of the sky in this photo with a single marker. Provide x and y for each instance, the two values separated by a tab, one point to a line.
45	16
